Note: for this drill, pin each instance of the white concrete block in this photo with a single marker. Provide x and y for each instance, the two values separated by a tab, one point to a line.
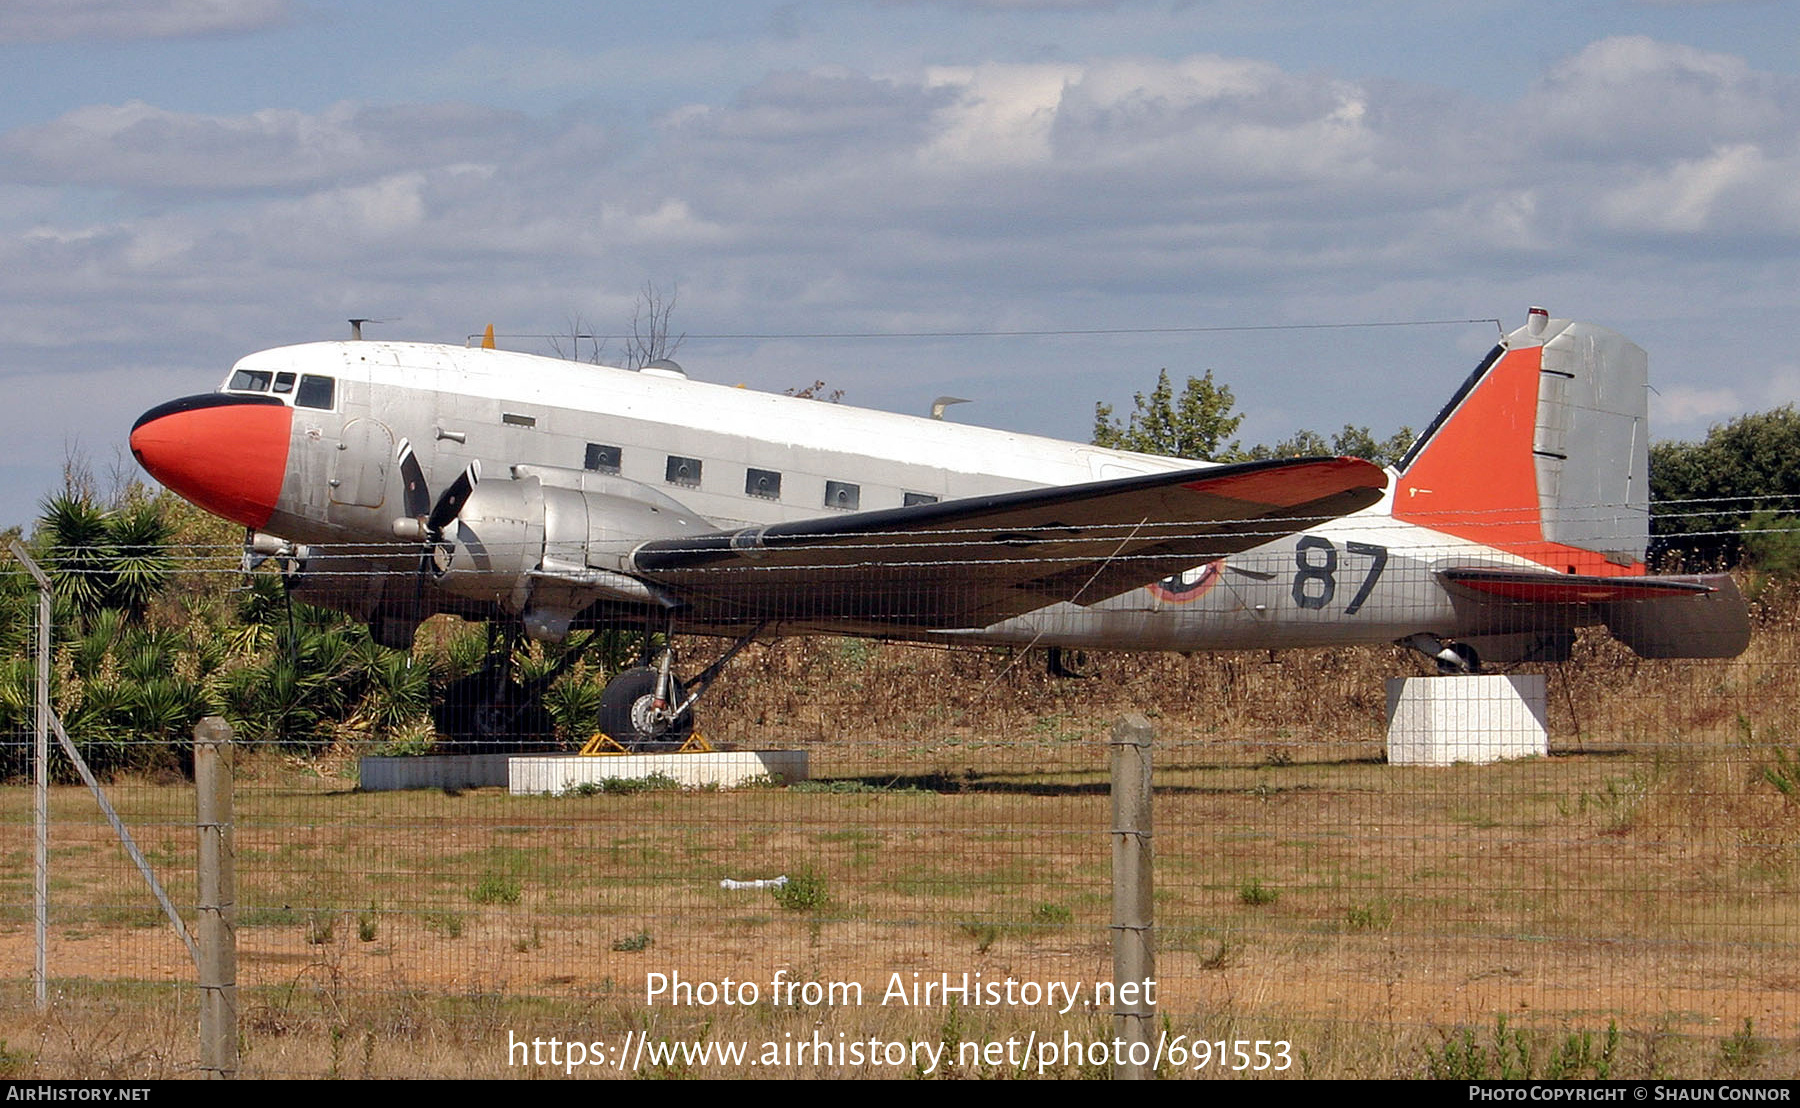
533	774
1475	718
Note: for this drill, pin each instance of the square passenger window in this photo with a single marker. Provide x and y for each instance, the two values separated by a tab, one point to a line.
912	498
603	459
683	471
765	483
842	494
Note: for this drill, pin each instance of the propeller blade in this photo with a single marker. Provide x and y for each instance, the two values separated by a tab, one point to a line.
450	505
412	476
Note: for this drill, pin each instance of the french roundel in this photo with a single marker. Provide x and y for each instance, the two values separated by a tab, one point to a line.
1184	588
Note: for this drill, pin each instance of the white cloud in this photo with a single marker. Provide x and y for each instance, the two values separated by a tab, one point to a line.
1024	5
1672	405
998	114
1731	188
63	20
1632	98
139	146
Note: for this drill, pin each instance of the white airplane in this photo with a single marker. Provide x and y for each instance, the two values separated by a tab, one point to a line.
399	480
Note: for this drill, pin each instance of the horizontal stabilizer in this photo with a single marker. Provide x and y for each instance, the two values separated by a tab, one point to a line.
1700	616
1538	587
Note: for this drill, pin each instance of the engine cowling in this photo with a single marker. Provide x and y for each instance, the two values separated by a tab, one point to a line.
549	542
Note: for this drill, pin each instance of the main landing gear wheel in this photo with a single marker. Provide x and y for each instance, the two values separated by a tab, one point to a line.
629	716
1466	659
483	716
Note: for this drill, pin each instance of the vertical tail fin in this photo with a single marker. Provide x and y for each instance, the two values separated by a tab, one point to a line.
1543	452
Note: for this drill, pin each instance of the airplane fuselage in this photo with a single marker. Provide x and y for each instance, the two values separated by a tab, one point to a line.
734	457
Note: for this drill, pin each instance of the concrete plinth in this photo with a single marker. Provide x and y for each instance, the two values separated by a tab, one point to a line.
1475	718
433	771
533	774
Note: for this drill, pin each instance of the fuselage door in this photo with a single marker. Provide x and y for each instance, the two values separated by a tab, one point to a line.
359	466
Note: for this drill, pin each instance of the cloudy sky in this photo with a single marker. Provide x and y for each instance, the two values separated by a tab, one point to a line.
1202	181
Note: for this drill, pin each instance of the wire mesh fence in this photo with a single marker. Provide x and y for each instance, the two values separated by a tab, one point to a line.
934	897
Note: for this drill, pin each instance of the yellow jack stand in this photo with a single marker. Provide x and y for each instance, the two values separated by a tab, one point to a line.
603	745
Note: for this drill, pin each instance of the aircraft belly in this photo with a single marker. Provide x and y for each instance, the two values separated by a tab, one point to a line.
1284	595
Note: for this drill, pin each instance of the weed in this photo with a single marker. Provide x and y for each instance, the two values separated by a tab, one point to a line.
12	1063
1577	1058
320	927
366	925
1254	893
526	944
984	934
624	786
495	889
1374	916
1743	1049
1785	775
852	786
854	653
950	1035
270	917
631	944
1052	914
805	891
447	924
1508	1058
1458	1058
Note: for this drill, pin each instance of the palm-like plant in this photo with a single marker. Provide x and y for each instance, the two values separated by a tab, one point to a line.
79	550
139	563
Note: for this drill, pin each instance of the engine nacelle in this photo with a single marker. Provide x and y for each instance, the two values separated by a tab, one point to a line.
494	542
549	542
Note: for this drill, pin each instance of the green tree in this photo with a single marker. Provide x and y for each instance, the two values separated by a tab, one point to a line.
1197	425
1351	442
1705	496
1772	544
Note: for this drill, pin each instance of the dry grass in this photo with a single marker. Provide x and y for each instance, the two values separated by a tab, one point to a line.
1643	879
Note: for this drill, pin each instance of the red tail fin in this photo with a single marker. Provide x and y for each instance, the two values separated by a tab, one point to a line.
1542	453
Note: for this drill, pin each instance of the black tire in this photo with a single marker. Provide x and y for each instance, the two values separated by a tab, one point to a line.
476	718
1468	660
1068	663
623	706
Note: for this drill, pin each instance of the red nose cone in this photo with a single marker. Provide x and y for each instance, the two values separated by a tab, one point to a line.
228	454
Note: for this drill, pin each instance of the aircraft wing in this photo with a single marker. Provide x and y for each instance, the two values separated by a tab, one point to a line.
1700	616
972	562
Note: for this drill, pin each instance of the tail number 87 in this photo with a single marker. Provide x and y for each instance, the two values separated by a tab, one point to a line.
1316	566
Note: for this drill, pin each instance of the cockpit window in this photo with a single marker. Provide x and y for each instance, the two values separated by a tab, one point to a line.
316	392
250	380
284	383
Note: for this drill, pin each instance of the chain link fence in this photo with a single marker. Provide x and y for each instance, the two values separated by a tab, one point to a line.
935	899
